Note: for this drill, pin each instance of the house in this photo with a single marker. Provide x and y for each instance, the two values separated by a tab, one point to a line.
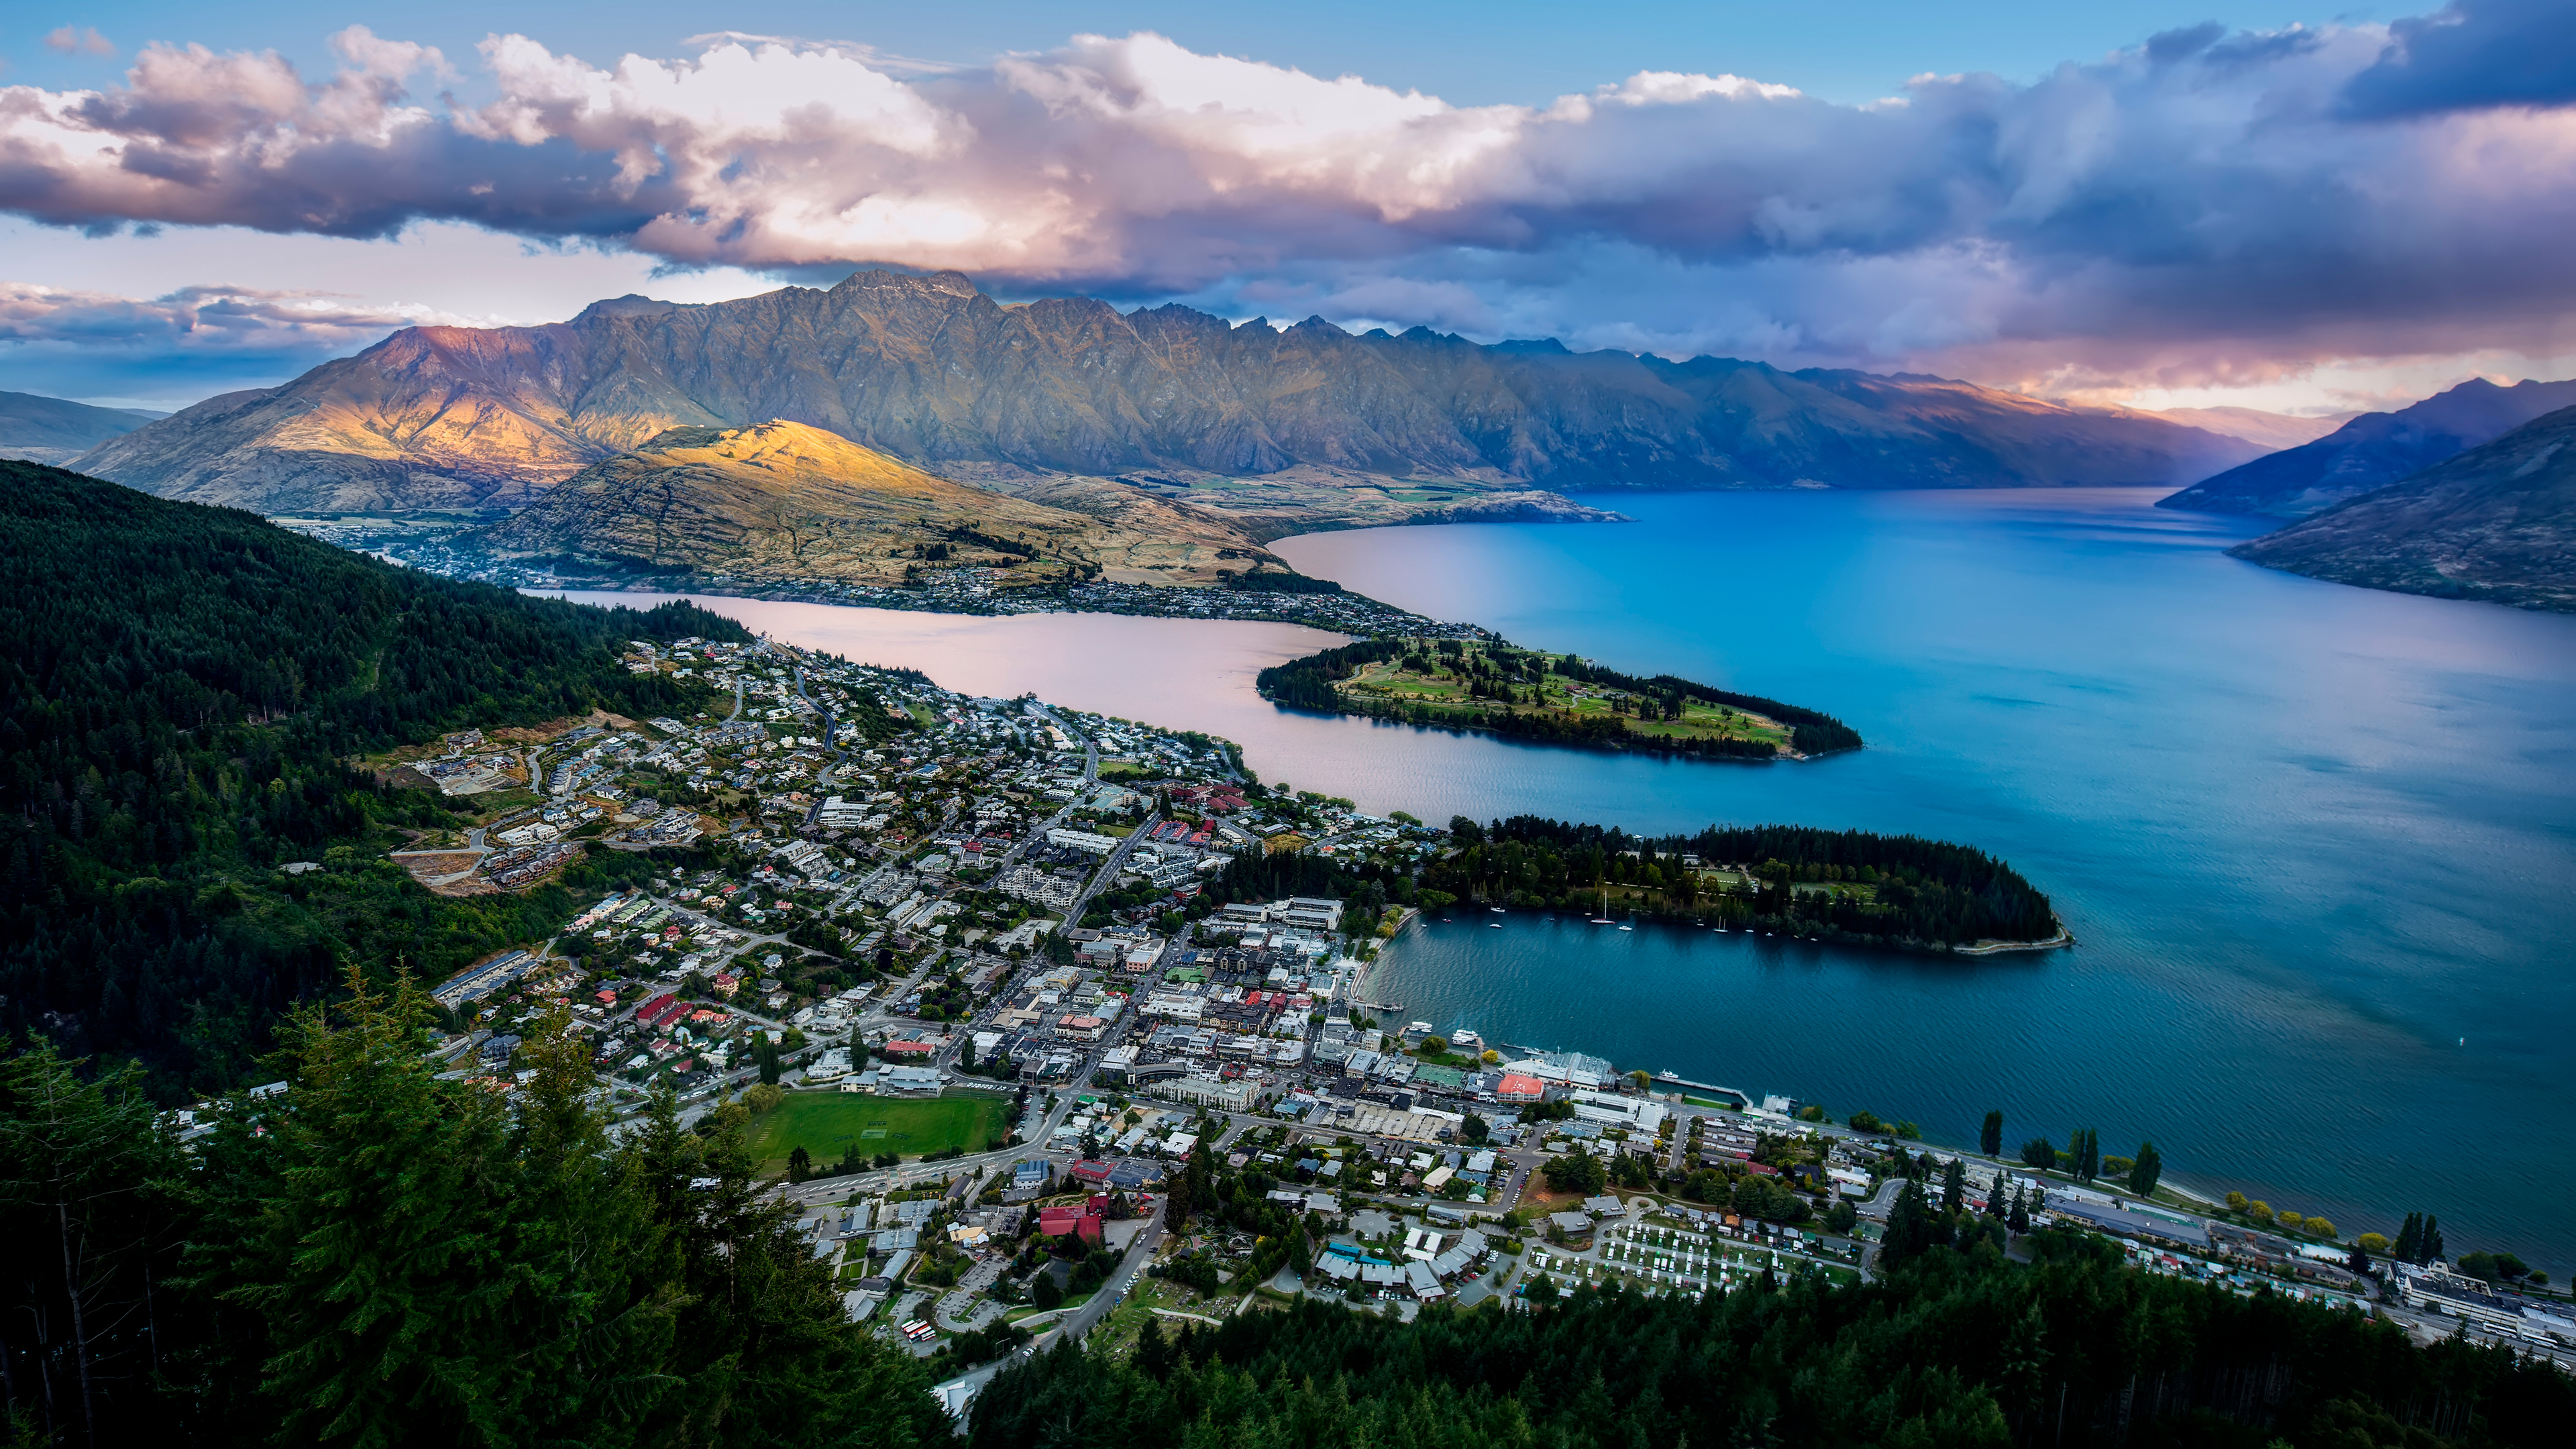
725	984
1573	1225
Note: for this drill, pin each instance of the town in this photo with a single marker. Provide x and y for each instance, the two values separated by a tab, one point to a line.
982	982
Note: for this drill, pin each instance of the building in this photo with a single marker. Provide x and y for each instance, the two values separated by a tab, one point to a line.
907	1081
1209	1092
1515	1087
1082	840
1083	1223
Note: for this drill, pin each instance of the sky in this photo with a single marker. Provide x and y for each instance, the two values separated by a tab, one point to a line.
2153	203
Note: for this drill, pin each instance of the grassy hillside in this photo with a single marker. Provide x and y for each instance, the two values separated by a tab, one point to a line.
180	687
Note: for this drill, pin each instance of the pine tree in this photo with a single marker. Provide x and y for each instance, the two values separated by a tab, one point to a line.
2410	1240
382	1273
2019	1220
1990	1137
2429	1250
1954	1187
1995	1205
2147	1171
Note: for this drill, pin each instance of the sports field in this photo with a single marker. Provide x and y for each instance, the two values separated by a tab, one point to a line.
825	1123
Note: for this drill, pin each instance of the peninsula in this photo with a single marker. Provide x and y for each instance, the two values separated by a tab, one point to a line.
1487	684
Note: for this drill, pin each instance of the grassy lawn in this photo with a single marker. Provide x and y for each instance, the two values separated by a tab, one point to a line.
824	1123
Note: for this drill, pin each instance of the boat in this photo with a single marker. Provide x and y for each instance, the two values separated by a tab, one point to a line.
1497	910
1493	925
1603	921
1627	928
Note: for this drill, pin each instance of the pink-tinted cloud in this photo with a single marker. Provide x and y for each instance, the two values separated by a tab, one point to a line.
2204	205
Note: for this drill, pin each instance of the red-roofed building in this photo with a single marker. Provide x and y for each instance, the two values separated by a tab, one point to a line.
1090	1170
605	998
1057	1222
1518	1088
908	1049
725	984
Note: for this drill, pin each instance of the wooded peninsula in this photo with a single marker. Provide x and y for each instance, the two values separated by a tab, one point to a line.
1562	699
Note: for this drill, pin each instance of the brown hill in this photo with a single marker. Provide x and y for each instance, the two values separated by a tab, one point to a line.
2497	522
785	501
929	370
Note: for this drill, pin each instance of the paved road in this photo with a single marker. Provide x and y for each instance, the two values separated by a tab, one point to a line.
1094	1309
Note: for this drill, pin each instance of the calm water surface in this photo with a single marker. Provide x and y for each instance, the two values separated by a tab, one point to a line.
2309	837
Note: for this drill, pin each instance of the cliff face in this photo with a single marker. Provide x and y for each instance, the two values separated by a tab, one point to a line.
929	370
785	501
2497	523
2374	450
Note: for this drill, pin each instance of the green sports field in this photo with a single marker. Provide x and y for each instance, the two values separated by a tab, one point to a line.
827	1122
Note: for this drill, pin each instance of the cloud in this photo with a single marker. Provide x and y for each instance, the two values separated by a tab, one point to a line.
185	344
2205	205
2477	53
72	41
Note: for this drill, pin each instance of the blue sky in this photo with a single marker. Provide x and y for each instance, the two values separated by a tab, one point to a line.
2163	203
1469	53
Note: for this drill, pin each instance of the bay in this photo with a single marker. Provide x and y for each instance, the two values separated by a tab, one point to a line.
2315	842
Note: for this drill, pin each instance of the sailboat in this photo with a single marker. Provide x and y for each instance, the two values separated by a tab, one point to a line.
1603	919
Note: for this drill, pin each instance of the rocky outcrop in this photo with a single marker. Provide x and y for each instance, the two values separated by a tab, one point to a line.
2497	523
930	371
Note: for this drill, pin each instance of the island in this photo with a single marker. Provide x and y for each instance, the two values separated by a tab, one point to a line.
1489	684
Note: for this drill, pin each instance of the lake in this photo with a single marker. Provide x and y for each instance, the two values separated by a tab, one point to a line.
2316	842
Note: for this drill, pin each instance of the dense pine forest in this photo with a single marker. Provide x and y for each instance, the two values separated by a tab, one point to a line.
1307	683
1827	884
1957	1348
379	1257
180	692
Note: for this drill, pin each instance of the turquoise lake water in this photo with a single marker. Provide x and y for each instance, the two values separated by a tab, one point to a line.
2317	843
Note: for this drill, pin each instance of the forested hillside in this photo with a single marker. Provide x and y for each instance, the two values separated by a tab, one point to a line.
180	688
380	1257
1828	884
1959	1348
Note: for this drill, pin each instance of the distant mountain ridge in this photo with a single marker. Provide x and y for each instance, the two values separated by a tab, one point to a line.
929	370
2374	450
40	429
2497	522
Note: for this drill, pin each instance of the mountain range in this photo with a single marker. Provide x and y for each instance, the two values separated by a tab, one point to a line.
2497	522
1322	425
56	430
2374	450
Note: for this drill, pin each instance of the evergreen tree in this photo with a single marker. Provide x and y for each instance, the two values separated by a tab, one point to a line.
2428	1249
800	1163
2039	1153
2410	1240
87	1180
2148	1169
1954	1187
381	1271
1909	1232
2019	1221
1995	1205
1990	1137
